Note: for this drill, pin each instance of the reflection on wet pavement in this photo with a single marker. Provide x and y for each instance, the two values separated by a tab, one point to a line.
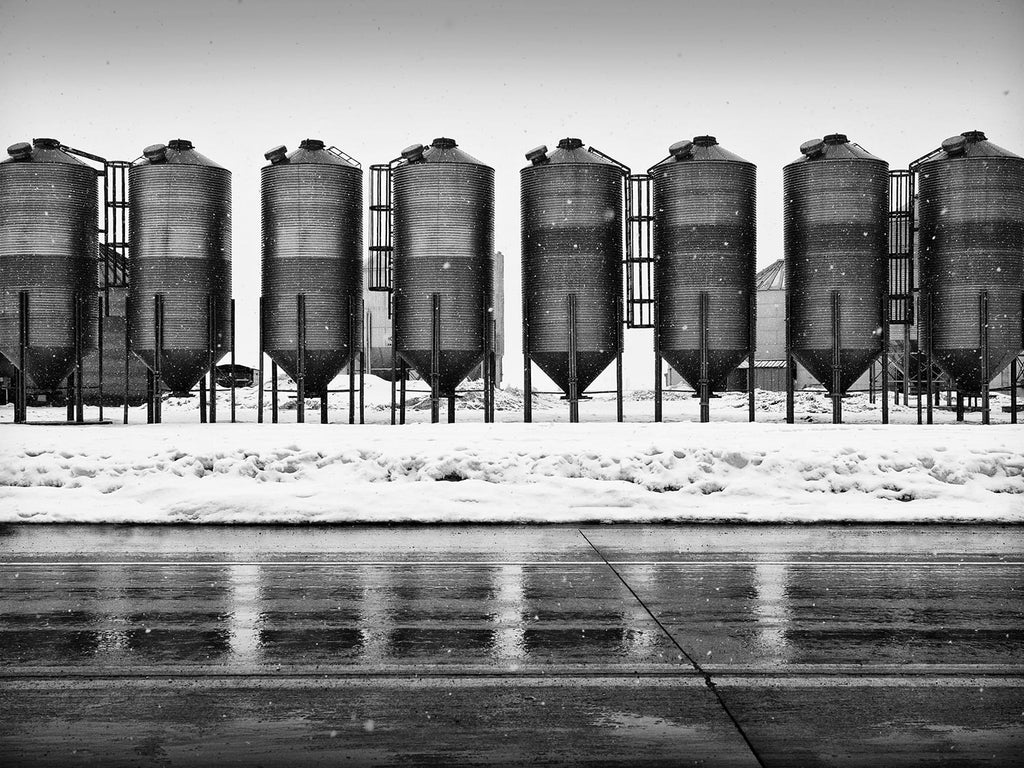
510	645
243	615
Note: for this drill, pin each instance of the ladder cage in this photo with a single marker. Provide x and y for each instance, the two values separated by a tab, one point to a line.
638	265
901	248
116	225
381	229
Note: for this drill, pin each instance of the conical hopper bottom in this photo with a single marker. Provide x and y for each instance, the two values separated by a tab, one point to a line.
965	368
180	369
454	366
321	366
852	364
721	363
48	367
589	366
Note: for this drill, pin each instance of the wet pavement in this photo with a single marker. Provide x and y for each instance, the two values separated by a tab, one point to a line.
500	645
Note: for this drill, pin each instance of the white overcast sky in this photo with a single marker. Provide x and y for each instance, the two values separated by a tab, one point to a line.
239	76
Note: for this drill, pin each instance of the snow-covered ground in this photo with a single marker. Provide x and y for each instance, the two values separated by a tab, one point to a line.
548	471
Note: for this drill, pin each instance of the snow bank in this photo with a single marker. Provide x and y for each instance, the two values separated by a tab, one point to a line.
546	472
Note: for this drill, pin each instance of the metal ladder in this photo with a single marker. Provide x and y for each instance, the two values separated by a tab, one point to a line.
115	229
381	233
901	248
344	156
638	261
638	265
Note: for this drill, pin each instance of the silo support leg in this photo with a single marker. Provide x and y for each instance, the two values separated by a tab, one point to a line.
21	379
403	372
394	371
885	360
986	373
435	358
300	356
790	384
618	387
362	387
751	369
451	409
1013	390
233	399
352	321
80	321
323	407
574	402
202	400
658	368
150	388
259	393
527	369
69	396
837	401
959	405
158	357
213	345
928	356
127	362
527	389
906	363
486	365
703	385
273	392
619	322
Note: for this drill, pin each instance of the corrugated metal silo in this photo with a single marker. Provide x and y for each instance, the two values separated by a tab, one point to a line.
971	217
705	241
180	207
48	249
836	239
572	209
443	247
312	245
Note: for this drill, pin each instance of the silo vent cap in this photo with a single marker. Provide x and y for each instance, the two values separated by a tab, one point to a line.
705	141
974	135
836	138
681	149
20	151
277	155
46	143
443	143
954	145
413	154
538	155
312	144
179	144
812	148
155	153
570	143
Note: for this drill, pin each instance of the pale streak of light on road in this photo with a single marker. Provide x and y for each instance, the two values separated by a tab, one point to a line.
114	621
375	617
771	608
244	617
509	628
643	637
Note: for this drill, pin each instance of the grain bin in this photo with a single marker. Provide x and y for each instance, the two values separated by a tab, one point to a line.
312	247
180	266
705	231
443	261
48	251
971	215
572	251
835	229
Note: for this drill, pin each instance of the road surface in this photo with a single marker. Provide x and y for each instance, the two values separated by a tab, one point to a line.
608	645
